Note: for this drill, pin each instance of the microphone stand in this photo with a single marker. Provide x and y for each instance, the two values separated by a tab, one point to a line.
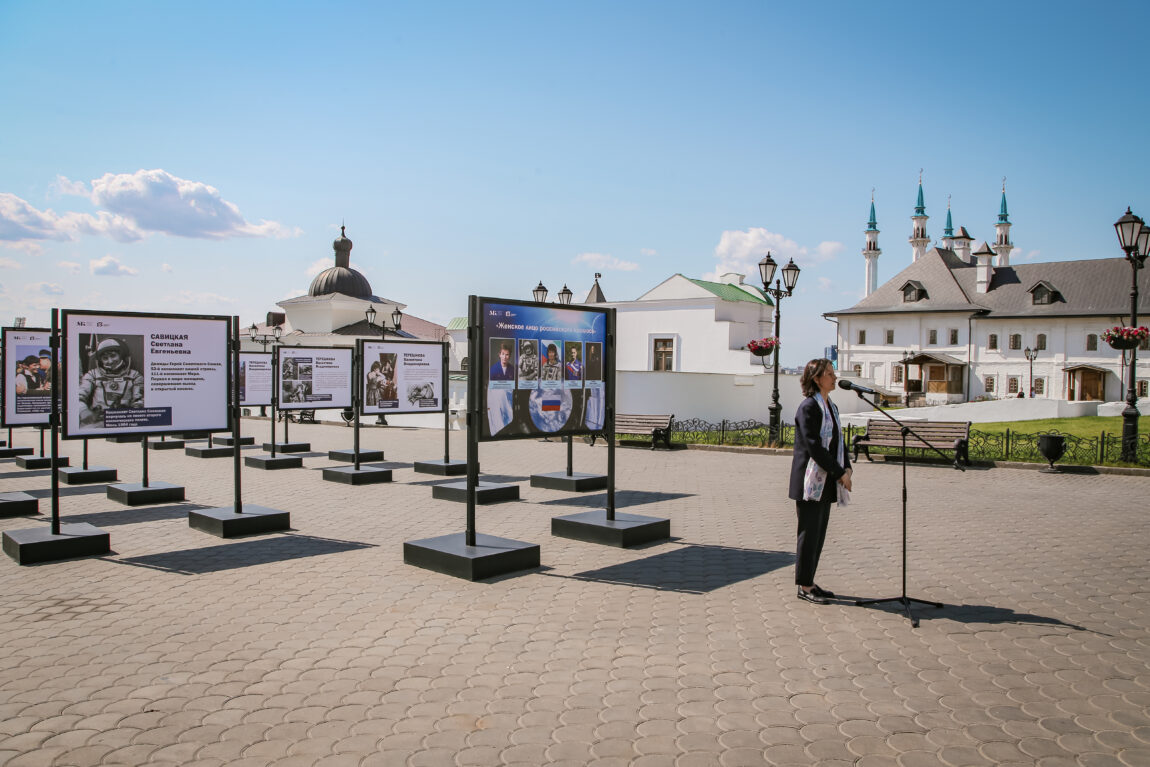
902	598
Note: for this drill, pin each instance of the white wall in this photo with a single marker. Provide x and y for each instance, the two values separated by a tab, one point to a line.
990	411
707	334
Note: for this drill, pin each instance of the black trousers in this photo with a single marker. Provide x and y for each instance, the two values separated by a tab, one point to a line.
813	519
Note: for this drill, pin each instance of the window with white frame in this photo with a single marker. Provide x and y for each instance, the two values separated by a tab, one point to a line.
896	373
889	334
988	386
992	341
1040	342
932	337
1091	342
1039	387
1016	341
664	354
1012	385
1142	388
953	336
862	338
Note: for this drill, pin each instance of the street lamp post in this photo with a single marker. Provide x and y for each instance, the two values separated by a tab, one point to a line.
1031	356
782	289
539	293
396	320
1134	238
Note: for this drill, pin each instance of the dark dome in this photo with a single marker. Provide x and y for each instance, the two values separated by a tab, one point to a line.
341	278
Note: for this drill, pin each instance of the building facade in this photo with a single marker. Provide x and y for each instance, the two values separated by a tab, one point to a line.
955	324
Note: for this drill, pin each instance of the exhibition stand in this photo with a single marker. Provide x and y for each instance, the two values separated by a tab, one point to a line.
87	475
237	520
166	444
570	480
357	474
445	467
57	541
145	491
41	461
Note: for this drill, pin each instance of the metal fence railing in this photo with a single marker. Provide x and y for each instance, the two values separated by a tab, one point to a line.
1106	448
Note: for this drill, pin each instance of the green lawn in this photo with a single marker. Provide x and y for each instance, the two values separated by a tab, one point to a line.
1086	426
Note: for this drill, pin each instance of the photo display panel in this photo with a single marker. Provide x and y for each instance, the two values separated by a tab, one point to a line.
403	377
27	376
144	373
542	369
255	379
314	377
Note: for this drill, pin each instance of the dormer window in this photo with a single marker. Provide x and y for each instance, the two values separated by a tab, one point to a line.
913	291
1043	293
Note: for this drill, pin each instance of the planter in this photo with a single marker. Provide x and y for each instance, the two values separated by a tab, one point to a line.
1052	447
762	352
1123	344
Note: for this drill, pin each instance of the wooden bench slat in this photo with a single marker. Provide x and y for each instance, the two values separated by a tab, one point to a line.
940	435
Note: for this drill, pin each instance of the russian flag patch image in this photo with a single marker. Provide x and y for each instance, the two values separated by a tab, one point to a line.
550	405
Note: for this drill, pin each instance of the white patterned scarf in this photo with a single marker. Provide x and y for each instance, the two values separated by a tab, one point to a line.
816	477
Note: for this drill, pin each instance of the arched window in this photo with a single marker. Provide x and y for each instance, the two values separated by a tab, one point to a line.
1040	343
992	342
463	364
1015	341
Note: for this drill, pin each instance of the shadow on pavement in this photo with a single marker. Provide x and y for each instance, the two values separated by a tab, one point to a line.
26	473
131	515
231	556
692	569
623	499
101	488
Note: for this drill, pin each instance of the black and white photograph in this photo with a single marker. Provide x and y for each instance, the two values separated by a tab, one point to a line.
113	377
314	377
528	363
403	376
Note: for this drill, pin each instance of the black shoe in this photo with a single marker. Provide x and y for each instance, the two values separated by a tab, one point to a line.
821	592
810	596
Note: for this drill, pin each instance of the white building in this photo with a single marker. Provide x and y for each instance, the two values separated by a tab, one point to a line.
954	324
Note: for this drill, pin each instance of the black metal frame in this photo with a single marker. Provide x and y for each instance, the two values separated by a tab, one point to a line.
5	373
269	355
361	385
277	366
65	317
480	366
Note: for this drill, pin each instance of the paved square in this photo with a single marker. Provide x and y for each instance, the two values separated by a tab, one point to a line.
319	646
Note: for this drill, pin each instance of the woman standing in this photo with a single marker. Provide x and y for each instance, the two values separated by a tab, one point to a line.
820	474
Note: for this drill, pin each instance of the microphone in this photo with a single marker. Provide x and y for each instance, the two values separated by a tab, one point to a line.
852	386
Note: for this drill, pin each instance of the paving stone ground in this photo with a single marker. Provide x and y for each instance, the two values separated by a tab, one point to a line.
320	647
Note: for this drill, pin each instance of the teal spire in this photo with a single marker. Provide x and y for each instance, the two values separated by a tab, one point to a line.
872	225
949	231
920	206
1003	216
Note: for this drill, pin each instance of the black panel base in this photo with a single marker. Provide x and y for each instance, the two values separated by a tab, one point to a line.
190	435
18	504
367	475
81	476
576	482
443	469
135	494
210	452
491	556
625	530
269	463
167	444
223	522
485	492
123	439
288	447
40	461
348	456
12	452
38	544
228	441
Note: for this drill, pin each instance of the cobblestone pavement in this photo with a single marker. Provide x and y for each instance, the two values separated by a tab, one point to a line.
319	646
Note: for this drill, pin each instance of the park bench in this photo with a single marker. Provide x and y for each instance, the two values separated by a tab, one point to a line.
657	427
947	436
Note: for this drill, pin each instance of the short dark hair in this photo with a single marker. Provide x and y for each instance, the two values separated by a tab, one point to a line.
811	373
31	359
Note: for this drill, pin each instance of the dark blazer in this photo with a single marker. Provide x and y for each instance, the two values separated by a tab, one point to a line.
497	373
808	423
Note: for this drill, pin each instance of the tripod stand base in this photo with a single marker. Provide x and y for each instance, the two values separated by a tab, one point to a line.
905	601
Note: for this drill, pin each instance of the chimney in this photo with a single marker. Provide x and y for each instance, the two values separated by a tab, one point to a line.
962	244
732	278
983	271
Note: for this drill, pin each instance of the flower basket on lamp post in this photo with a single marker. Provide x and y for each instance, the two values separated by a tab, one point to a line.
1123	338
763	348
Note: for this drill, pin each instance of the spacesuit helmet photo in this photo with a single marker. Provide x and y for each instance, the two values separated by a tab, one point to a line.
112	357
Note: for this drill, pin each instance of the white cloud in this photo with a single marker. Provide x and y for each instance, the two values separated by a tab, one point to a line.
605	261
1016	255
157	201
110	266
824	284
8	263
319	265
48	288
71	267
741	251
648	252
167	268
131	206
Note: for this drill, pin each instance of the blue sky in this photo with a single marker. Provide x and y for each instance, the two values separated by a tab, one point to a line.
200	157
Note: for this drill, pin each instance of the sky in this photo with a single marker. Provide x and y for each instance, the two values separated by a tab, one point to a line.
200	158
